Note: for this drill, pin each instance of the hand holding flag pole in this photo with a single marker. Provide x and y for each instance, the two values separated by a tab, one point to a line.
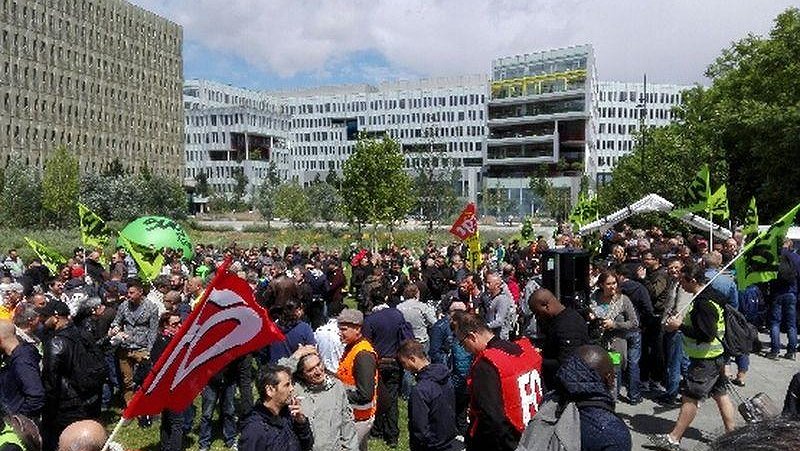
225	324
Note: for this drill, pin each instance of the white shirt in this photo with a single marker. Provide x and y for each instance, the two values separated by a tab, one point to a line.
329	345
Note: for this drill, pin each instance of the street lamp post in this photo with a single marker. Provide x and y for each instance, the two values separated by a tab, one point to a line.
642	107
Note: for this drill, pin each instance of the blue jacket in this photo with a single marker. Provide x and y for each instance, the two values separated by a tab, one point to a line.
778	286
601	428
431	411
21	389
263	431
386	328
447	351
296	335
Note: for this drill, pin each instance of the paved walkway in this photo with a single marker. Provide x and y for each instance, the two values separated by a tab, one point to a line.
767	376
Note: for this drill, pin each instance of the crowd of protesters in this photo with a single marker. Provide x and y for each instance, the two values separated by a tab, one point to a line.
475	352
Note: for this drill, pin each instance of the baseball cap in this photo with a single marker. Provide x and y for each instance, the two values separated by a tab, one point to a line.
53	308
351	316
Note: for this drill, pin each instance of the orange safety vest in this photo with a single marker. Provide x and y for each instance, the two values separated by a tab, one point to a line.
361	412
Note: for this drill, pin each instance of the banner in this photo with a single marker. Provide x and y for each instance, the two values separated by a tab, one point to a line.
466	229
226	324
718	204
94	232
759	262
150	261
50	257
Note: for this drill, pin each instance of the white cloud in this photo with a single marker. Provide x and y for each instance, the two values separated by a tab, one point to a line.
672	41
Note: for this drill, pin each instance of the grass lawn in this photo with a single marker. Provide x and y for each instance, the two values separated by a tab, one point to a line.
133	437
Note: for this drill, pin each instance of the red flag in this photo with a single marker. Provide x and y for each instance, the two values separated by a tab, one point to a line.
225	324
467	224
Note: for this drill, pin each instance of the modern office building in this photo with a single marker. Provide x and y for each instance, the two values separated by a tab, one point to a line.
541	122
230	130
622	109
446	115
102	78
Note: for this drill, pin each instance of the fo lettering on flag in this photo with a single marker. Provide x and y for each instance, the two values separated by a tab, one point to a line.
467	224
226	324
466	229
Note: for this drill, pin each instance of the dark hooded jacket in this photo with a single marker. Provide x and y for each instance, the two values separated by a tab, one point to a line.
601	428
431	411
263	431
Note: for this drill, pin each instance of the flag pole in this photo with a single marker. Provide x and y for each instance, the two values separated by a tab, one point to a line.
710	230
114	433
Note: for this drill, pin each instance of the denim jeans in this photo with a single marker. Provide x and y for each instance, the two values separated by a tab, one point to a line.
783	307
677	362
634	340
223	394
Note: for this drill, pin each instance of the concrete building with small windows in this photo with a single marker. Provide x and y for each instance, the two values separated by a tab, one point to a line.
101	77
439	119
622	109
231	131
541	122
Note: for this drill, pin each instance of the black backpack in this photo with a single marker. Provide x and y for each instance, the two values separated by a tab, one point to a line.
89	368
740	335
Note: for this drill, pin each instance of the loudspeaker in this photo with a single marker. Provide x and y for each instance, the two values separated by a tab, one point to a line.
565	272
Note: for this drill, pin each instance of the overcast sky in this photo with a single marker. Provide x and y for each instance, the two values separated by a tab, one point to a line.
277	44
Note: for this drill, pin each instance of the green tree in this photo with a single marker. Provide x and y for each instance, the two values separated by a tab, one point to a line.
663	165
557	200
114	169
60	187
165	197
291	203
117	198
144	172
333	179
434	183
376	188
495	201
240	186
22	194
202	188
264	200
745	125
326	203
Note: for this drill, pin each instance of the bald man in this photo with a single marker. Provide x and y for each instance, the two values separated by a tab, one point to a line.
84	435
563	328
21	390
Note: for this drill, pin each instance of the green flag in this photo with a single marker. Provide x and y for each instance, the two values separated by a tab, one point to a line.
699	192
50	257
94	232
750	229
149	260
718	203
760	260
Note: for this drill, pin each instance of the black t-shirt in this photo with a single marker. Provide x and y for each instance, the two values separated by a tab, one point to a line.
564	333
